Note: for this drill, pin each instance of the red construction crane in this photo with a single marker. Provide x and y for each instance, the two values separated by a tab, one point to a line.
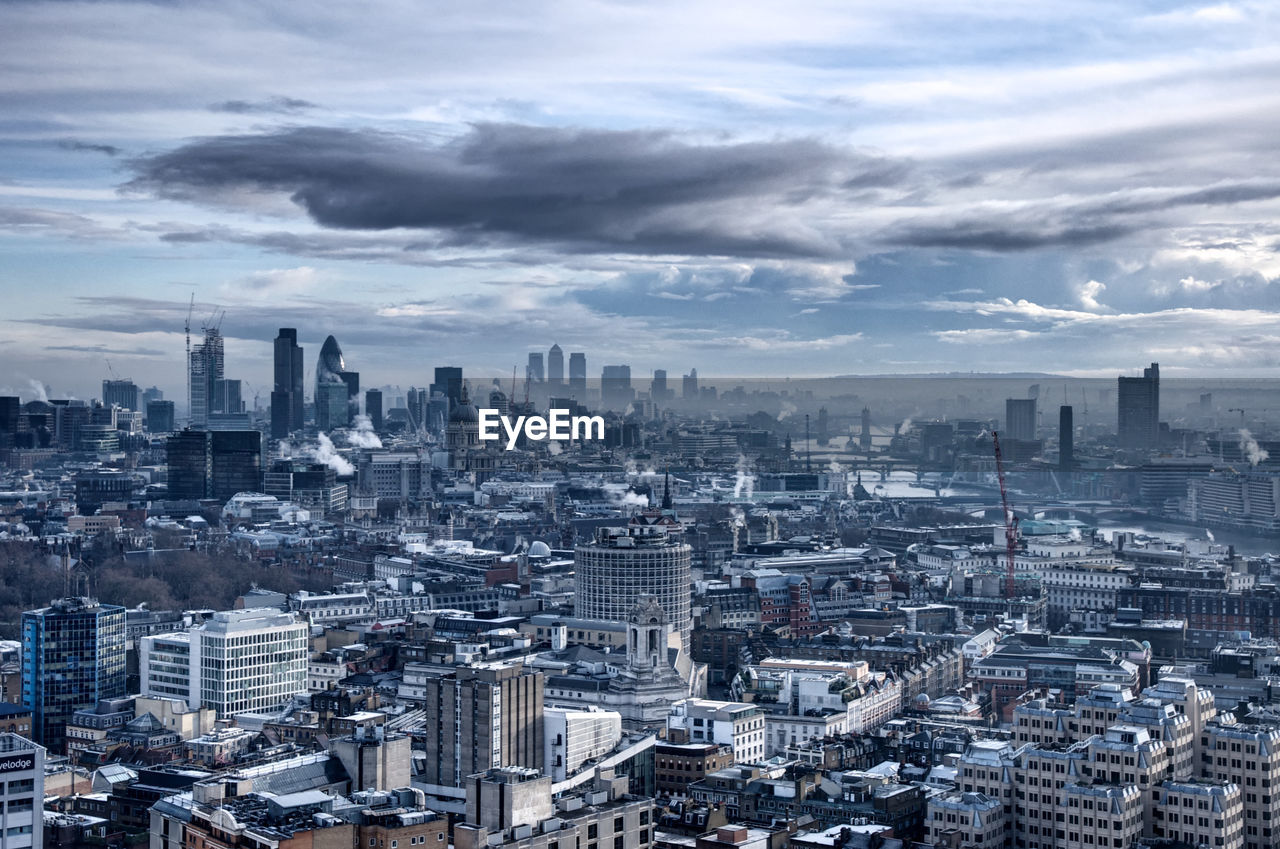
1010	524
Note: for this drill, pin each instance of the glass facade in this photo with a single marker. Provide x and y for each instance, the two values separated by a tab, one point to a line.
73	655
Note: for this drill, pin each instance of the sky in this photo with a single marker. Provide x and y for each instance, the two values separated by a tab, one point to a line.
795	189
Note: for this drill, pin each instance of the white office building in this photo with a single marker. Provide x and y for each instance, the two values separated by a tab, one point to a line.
239	661
735	724
574	736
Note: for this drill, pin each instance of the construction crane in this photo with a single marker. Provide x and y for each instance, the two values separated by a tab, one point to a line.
186	365
1239	410
1010	524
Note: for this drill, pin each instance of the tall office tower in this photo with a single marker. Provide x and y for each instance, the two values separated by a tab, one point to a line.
213	464
228	397
331	405
1066	439
373	407
864	438
239	661
10	410
416	406
69	416
205	366
333	393
534	372
152	394
622	564
120	393
658	386
578	373
73	655
448	382
1020	418
615	387
689	385
21	792
160	417
479	718
286	391
437	412
555	365
1138	409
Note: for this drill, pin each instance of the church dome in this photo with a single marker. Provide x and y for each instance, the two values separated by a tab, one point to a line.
539	549
465	412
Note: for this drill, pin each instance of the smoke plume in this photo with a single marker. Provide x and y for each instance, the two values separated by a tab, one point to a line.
1250	448
324	452
39	390
744	483
363	436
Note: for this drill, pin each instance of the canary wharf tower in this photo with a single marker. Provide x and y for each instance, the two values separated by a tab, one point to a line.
646	558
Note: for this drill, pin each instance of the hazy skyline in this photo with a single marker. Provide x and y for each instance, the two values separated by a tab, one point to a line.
806	189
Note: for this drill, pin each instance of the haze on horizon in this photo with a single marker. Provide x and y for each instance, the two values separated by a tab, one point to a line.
1076	188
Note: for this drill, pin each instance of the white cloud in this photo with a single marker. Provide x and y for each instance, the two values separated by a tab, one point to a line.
1088	294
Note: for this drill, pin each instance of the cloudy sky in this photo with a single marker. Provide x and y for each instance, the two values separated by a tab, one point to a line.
775	189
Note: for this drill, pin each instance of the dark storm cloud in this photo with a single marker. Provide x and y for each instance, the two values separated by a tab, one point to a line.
32	221
361	324
103	349
1006	237
274	105
108	149
642	192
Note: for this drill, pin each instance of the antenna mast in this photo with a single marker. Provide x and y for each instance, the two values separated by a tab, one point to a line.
1010	524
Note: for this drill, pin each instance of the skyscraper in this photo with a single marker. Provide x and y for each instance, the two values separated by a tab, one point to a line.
73	655
689	385
615	388
622	564
121	393
1020	418
448	383
373	407
335	387
555	365
160	417
1066	439
10	409
286	393
658	386
578	372
228	397
205	367
534	372
1138	409
213	464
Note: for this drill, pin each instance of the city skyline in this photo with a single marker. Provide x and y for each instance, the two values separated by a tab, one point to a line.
831	192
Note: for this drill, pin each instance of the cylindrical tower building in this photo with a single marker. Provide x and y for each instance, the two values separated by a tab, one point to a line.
623	564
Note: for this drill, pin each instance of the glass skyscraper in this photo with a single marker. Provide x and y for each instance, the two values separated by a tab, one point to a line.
73	655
